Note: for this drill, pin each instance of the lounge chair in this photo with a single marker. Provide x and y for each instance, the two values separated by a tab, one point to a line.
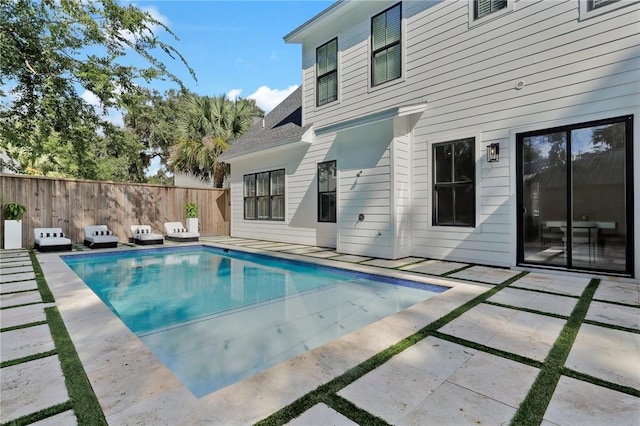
50	239
142	234
99	236
176	232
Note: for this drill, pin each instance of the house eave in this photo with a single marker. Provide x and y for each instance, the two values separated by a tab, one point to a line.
298	35
305	139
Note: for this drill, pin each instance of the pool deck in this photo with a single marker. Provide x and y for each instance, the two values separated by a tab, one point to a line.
473	366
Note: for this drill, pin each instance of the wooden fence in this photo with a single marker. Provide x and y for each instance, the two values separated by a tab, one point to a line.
73	204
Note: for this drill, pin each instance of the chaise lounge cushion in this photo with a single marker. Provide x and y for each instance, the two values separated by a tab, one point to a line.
99	236
51	239
176	232
142	234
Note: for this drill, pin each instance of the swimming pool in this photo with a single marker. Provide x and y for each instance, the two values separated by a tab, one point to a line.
215	317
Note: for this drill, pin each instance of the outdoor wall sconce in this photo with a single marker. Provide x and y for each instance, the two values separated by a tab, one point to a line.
359	173
360	217
493	153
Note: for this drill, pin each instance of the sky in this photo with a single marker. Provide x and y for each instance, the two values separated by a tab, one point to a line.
235	47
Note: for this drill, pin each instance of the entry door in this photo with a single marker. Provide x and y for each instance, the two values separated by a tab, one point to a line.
575	196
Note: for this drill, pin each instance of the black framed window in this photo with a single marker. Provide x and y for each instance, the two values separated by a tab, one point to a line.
327	72
454	171
482	8
264	195
327	191
594	4
386	56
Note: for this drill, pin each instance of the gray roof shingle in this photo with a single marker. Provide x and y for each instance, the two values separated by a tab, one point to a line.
283	123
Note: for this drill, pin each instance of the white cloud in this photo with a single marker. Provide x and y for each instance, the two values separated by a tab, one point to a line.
113	115
267	98
234	94
91	98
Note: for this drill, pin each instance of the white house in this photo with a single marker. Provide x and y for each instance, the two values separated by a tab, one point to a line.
493	132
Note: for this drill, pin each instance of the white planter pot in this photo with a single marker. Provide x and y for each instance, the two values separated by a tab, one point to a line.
192	224
12	234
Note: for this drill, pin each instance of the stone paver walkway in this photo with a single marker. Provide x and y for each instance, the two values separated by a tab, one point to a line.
476	368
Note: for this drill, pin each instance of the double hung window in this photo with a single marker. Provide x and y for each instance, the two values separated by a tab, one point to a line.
454	197
482	8
327	72
264	195
386	34
594	4
327	191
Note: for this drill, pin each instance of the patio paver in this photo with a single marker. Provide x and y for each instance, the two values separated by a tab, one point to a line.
485	274
30	387
407	379
608	313
321	414
560	305
385	263
66	418
433	267
618	355
9	270
7	278
18	286
573	286
11	263
322	254
618	292
14	299
579	403
518	332
23	342
350	258
21	315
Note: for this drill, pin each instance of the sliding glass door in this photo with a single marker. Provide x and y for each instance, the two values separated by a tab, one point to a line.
575	196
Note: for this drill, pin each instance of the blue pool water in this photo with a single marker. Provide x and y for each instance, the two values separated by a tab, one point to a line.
215	317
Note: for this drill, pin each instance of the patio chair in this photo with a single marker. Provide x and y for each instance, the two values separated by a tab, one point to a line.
176	232
99	236
143	235
50	239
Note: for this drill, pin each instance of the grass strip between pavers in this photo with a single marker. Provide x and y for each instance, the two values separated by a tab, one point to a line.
531	411
355	413
24	359
45	293
324	392
600	382
21	326
84	401
40	415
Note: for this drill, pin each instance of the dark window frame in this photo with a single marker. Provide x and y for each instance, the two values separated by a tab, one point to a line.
476	11
629	184
269	197
594	4
320	193
453	184
386	47
325	75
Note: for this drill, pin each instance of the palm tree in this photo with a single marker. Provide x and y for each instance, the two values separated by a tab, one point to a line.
206	128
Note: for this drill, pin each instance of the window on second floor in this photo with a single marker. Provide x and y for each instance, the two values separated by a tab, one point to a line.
327	72
482	8
594	4
327	191
386	56
264	195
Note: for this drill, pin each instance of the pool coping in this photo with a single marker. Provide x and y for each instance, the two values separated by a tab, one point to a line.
132	385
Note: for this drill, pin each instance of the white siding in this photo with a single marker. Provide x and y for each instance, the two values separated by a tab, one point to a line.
365	188
573	70
533	67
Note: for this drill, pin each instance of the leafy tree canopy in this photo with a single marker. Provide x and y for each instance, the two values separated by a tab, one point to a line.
205	128
51	51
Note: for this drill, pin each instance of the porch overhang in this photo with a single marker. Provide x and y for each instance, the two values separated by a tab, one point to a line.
305	139
389	114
